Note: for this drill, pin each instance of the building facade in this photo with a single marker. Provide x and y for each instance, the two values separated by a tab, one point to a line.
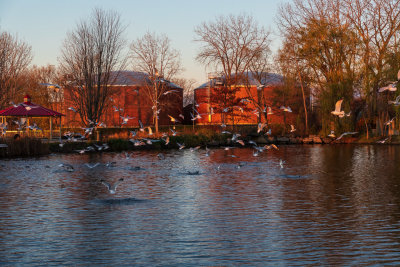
249	101
132	99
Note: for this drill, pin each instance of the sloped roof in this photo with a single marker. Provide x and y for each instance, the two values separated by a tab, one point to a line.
267	79
134	78
29	109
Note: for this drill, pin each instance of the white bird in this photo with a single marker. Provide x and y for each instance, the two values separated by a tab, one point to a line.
240	142
337	111
126	119
195	117
292	129
271	146
390	87
192	149
207	152
346	133
141	128
91	166
332	134
396	102
382	141
286	109
281	163
116	109
73	109
260	127
181	146
112	188
166	140
150	131
51	85
173	132
66	167
14	105
172	119
170	91
252	143
389	122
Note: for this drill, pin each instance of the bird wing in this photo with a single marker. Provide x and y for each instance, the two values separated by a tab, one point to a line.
106	184
338	105
117	183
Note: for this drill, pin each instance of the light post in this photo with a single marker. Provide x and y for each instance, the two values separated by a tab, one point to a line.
155	111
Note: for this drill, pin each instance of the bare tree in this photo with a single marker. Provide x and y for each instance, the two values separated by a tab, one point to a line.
377	24
15	56
41	84
230	45
154	55
188	89
91	58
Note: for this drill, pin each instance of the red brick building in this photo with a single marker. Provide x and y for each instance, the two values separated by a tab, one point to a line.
132	99
241	108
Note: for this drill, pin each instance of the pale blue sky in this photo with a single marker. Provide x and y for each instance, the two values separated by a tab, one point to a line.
44	24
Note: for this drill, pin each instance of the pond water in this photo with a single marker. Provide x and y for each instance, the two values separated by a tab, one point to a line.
324	205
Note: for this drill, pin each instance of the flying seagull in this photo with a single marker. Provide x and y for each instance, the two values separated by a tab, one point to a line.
337	111
346	133
112	188
396	102
286	109
51	85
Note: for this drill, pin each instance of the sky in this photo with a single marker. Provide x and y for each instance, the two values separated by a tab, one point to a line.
44	24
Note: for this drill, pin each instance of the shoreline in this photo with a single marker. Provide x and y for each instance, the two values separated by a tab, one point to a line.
43	148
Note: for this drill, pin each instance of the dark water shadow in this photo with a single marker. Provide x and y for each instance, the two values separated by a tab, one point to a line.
289	176
119	201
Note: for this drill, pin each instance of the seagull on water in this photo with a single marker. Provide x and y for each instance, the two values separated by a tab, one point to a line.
332	134
66	167
112	188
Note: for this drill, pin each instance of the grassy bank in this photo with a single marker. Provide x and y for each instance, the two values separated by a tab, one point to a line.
23	147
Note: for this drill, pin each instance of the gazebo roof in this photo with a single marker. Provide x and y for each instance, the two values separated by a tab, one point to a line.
29	109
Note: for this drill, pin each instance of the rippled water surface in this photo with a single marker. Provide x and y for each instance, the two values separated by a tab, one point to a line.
328	205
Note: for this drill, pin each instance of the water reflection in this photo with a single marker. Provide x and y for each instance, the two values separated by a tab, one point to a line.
328	205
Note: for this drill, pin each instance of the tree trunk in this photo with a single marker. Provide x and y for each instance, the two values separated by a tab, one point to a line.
304	103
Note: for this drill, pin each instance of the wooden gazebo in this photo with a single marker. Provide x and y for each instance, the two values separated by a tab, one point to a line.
29	110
